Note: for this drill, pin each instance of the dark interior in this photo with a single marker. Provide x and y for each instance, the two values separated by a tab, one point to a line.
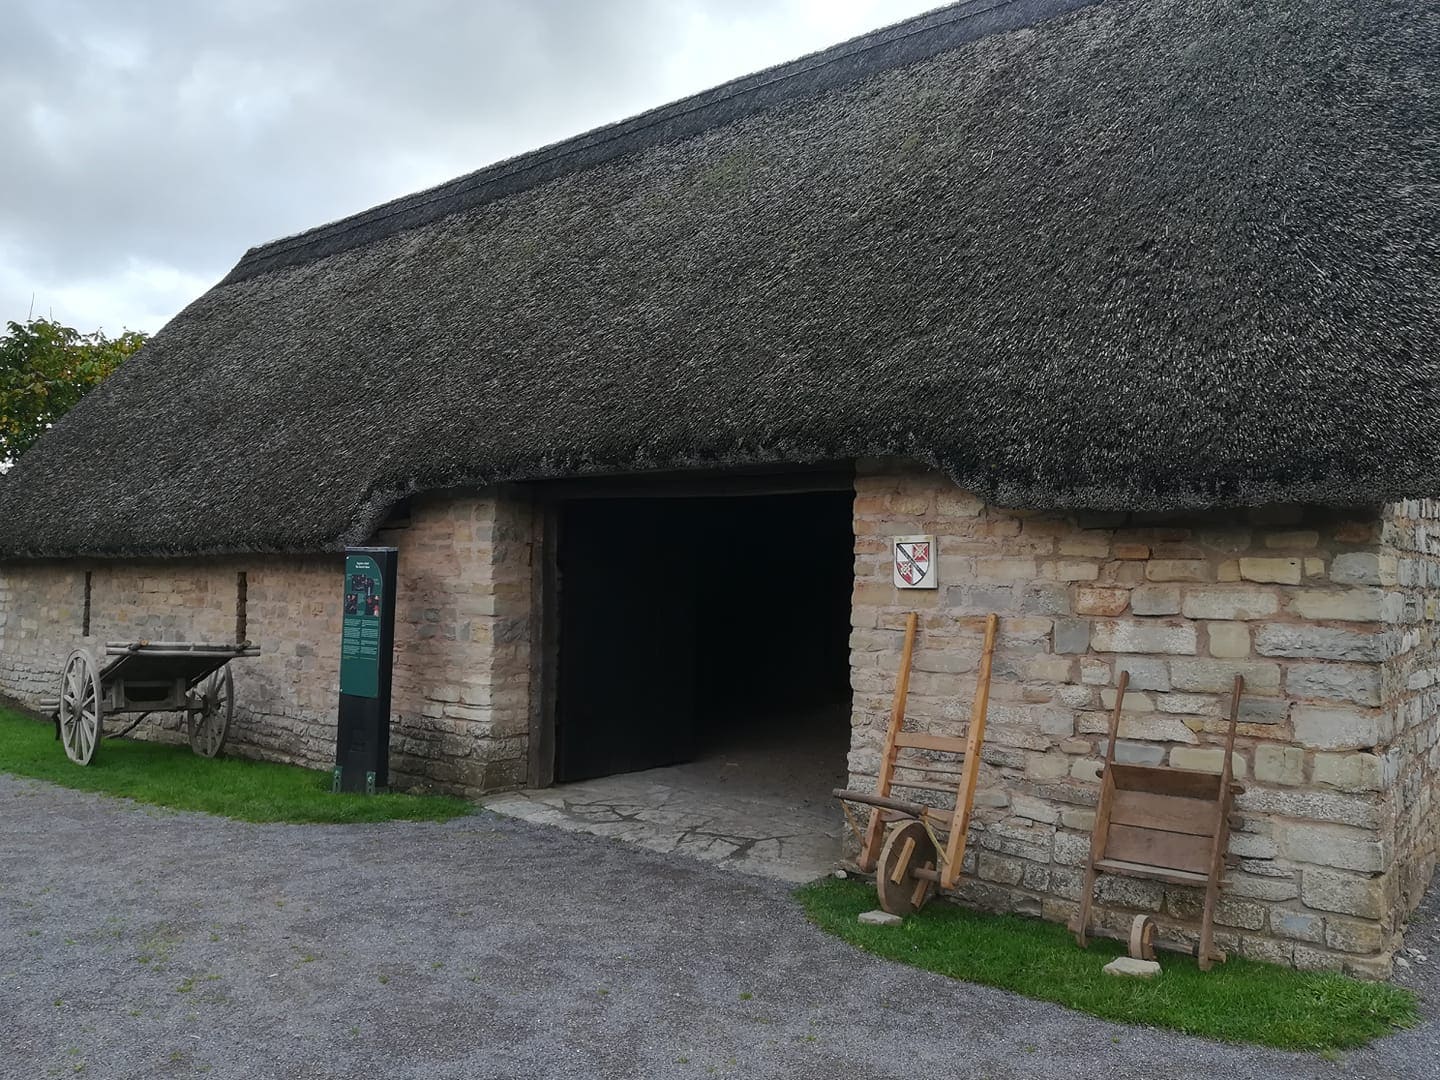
689	626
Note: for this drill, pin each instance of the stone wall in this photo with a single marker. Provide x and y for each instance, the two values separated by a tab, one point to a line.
1409	572
1335	822
460	701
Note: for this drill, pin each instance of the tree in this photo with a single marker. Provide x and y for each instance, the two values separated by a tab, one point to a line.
45	369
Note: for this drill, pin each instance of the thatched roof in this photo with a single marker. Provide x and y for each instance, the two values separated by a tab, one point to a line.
1138	254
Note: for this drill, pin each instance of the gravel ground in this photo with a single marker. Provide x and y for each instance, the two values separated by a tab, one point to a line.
143	943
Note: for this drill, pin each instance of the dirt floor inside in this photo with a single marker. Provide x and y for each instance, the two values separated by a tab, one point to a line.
757	799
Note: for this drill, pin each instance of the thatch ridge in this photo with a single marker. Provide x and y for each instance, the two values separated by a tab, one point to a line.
1147	254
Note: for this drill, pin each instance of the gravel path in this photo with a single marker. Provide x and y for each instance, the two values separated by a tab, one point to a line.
143	943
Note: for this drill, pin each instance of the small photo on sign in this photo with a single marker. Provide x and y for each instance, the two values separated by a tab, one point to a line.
914	562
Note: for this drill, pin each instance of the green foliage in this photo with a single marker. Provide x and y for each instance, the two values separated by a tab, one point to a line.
45	368
1239	1001
171	776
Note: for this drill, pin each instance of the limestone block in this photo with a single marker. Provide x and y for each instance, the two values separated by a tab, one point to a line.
1135	753
1364	568
1297	925
1137	637
1083	820
1279	764
1230	603
1106	602
1005	869
1071	849
1131	551
1316	804
1071	636
1318	643
1324	728
880	918
1218	676
1350	772
1336	846
1070	570
1270	570
1255	887
1154	600
1034	809
1229	640
1188	704
1146	673
1138	893
1205	759
1177	570
1346	605
1353	935
1349	894
1128	967
1334	682
1147	727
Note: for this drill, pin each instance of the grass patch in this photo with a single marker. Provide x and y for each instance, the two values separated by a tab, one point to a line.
1239	1001
172	776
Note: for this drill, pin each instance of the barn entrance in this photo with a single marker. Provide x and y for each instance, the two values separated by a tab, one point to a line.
699	694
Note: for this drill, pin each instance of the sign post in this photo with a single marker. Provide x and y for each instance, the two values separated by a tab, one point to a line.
367	652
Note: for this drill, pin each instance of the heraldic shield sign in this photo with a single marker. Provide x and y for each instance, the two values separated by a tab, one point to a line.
914	563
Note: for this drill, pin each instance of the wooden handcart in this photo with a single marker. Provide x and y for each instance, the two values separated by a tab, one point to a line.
1162	824
914	848
141	678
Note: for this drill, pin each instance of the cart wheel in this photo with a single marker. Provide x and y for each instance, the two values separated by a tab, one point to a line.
1142	938
81	712
908	846
209	723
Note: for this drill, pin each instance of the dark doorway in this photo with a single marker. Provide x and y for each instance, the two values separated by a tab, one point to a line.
690	626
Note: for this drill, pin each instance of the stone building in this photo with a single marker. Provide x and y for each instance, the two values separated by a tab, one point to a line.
1132	305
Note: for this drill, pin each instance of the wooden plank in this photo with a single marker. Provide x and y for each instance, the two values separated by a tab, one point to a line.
1172	813
920	740
937	768
965	796
882	802
1162	780
874	834
922	785
1154	847
1155	873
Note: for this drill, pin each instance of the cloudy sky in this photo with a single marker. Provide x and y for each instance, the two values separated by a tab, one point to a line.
145	144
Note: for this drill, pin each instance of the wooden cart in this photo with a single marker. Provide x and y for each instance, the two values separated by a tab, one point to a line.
141	678
1162	824
911	847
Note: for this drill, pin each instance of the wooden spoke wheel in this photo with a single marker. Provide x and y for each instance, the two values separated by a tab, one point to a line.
908	847
209	721
81	712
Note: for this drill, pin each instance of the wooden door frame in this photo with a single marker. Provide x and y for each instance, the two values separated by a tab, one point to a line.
548	498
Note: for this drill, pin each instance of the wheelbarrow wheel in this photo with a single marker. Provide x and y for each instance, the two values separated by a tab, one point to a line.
81	711
907	847
209	721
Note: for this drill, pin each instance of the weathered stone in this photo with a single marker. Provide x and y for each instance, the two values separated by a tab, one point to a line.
1230	603
1087	769
1034	809
1188	704
1268	570
1084	820
1218	676
1338	729
1177	570
1337	846
1352	935
1205	759
1071	636
1343	605
1106	602
1147	727
1229	639
1131	551
880	918
1135	893
1360	811
1136	753
1279	764
1335	682
1350	772
1134	637
1071	849
1128	967
1318	642
1005	869
1364	568
1297	925
1154	600
1263	888
1146	673
1350	894
1075	746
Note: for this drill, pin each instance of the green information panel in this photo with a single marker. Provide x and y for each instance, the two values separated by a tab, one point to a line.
360	640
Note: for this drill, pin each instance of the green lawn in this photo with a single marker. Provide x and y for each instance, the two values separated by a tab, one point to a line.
172	776
1238	1001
